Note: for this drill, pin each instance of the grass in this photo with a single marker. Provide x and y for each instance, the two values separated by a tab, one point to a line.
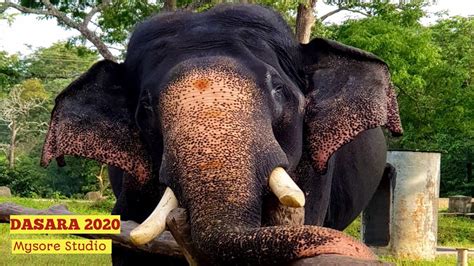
455	231
452	231
440	261
354	228
76	206
79	207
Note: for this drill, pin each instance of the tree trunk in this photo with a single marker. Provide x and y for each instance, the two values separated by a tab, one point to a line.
11	155
101	180
169	5
52	11
97	42
305	20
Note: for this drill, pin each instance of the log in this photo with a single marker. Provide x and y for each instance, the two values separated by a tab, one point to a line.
337	260
163	245
7	209
179	226
177	223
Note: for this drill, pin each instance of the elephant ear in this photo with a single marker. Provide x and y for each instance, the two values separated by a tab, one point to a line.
349	91
92	118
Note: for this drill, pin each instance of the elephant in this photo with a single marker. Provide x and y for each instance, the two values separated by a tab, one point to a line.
208	108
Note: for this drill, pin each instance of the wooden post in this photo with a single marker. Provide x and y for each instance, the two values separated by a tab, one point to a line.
462	256
178	224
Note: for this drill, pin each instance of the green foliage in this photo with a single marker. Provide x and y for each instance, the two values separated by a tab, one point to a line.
454	104
77	177
20	115
117	20
287	8
60	61
20	181
33	89
76	8
354	228
28	179
41	76
431	68
12	71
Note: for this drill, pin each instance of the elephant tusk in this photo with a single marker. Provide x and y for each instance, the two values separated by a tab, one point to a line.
155	224
288	193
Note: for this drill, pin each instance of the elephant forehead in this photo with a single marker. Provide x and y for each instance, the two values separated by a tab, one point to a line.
211	92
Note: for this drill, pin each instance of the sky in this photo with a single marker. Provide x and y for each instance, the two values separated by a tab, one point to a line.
28	33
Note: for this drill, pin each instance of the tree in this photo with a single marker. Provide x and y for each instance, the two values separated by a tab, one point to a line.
170	5
112	17
16	111
60	61
44	73
103	183
12	71
431	68
114	20
453	107
72	16
305	20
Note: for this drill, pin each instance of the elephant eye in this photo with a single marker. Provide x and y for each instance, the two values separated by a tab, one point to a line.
278	89
145	102
146	105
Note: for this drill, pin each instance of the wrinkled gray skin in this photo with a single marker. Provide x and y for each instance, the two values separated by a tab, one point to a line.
208	105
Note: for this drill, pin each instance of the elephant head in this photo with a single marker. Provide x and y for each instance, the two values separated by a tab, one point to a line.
214	104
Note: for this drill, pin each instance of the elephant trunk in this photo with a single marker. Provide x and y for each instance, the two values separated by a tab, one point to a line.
274	245
219	152
225	216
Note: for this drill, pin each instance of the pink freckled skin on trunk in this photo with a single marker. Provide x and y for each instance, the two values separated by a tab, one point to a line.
215	125
210	113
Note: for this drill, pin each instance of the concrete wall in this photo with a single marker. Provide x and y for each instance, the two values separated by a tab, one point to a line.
443	203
